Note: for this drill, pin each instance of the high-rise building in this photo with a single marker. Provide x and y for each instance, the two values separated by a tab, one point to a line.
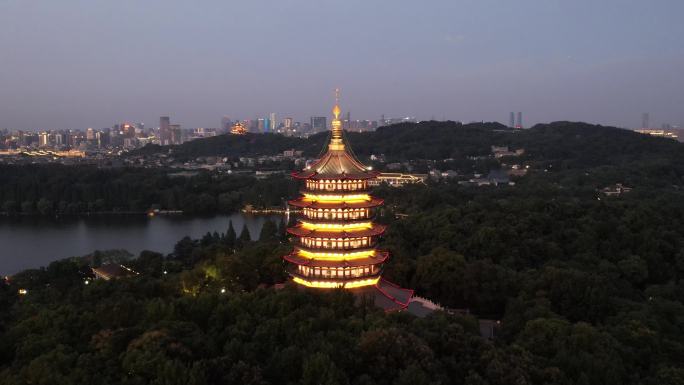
272	119
261	125
176	134
226	124
319	124
288	123
519	123
164	130
102	139
128	130
645	120
511	123
43	139
90	134
60	139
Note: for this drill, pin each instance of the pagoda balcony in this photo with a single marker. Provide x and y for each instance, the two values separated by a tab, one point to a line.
374	231
336	196
379	258
338	275
371	254
339	217
312	244
349	223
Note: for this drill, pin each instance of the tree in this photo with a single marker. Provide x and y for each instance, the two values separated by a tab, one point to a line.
244	237
269	231
230	236
282	230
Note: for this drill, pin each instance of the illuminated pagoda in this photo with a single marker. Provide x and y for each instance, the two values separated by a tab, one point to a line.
335	241
238	129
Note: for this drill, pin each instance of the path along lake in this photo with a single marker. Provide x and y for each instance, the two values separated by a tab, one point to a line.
32	242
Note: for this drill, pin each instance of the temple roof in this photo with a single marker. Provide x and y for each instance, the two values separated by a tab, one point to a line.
336	164
299	231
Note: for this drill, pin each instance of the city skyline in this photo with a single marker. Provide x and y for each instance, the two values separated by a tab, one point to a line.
77	65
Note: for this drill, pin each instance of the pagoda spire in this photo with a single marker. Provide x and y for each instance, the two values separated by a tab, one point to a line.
336	143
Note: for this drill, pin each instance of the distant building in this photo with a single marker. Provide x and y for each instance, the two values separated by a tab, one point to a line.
238	129
659	133
319	124
272	120
502	151
43	139
102	139
164	130
615	190
396	179
113	271
225	124
519	123
176	134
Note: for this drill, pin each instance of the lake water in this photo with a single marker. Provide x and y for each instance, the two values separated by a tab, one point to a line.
29	242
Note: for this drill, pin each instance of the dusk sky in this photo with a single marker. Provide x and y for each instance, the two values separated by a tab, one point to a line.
94	63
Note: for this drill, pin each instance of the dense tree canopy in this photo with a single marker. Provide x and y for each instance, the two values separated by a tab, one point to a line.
57	189
588	288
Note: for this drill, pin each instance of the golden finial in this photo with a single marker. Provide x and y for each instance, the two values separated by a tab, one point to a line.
336	142
336	110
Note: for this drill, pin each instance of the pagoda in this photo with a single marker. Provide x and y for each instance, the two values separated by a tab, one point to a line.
238	129
335	240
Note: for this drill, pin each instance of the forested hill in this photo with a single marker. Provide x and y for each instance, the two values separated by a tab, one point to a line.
574	144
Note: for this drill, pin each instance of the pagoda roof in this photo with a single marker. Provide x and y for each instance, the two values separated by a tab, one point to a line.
379	258
335	205
299	231
336	164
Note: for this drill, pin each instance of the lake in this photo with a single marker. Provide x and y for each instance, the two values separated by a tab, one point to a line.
31	242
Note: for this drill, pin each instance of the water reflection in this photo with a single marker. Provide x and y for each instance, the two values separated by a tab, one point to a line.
29	242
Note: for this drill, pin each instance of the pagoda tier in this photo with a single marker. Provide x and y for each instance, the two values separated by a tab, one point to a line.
379	258
323	205
300	231
335	240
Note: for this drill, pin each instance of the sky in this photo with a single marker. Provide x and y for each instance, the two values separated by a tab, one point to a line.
73	64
